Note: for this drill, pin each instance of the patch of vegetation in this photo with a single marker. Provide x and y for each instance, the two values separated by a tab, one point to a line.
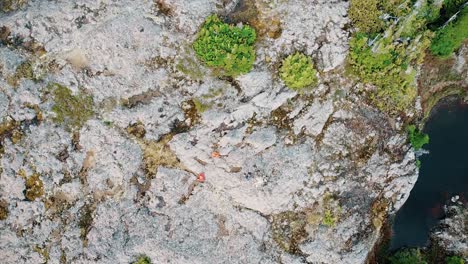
23	71
213	93
142	260
71	110
449	38
455	260
227	48
10	129
365	15
447	9
11	5
158	153
379	212
44	252
34	187
408	256
418	163
297	71
85	221
332	210
288	230
3	209
329	219
387	65
201	106
137	129
389	59
416	138
190	67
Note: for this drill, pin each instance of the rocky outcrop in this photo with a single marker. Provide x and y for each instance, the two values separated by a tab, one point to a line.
451	234
288	178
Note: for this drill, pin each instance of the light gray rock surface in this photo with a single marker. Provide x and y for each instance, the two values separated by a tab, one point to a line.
289	178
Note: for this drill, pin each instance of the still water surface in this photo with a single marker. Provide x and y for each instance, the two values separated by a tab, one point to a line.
443	174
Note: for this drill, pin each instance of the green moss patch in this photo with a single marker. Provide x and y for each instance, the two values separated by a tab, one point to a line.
3	210
289	230
71	110
34	187
224	47
11	5
142	260
297	71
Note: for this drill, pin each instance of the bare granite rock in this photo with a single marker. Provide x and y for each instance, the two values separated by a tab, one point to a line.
162	158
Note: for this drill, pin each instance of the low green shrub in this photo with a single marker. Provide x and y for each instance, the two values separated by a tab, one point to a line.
365	15
142	260
388	68
407	256
416	138
227	48
329	219
455	260
449	38
297	71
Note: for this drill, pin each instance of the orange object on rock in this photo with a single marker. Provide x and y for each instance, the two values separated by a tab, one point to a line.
215	154
201	177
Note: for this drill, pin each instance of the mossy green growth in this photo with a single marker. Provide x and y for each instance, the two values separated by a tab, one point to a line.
71	110
365	15
331	210
23	71
3	210
288	230
389	59
11	5
297	71
408	256
227	48
388	68
449	38
418	163
201	106
416	138
34	187
189	67
329	219
142	260
455	260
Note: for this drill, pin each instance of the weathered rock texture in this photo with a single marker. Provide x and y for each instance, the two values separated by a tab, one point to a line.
289	178
451	234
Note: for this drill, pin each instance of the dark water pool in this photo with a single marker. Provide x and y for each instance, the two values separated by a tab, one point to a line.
443	173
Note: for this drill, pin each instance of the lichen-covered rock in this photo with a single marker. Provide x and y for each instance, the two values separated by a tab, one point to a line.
451	233
116	142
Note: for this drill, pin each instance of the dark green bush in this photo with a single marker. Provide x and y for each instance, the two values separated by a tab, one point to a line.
407	256
227	48
297	71
447	10
416	138
449	38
